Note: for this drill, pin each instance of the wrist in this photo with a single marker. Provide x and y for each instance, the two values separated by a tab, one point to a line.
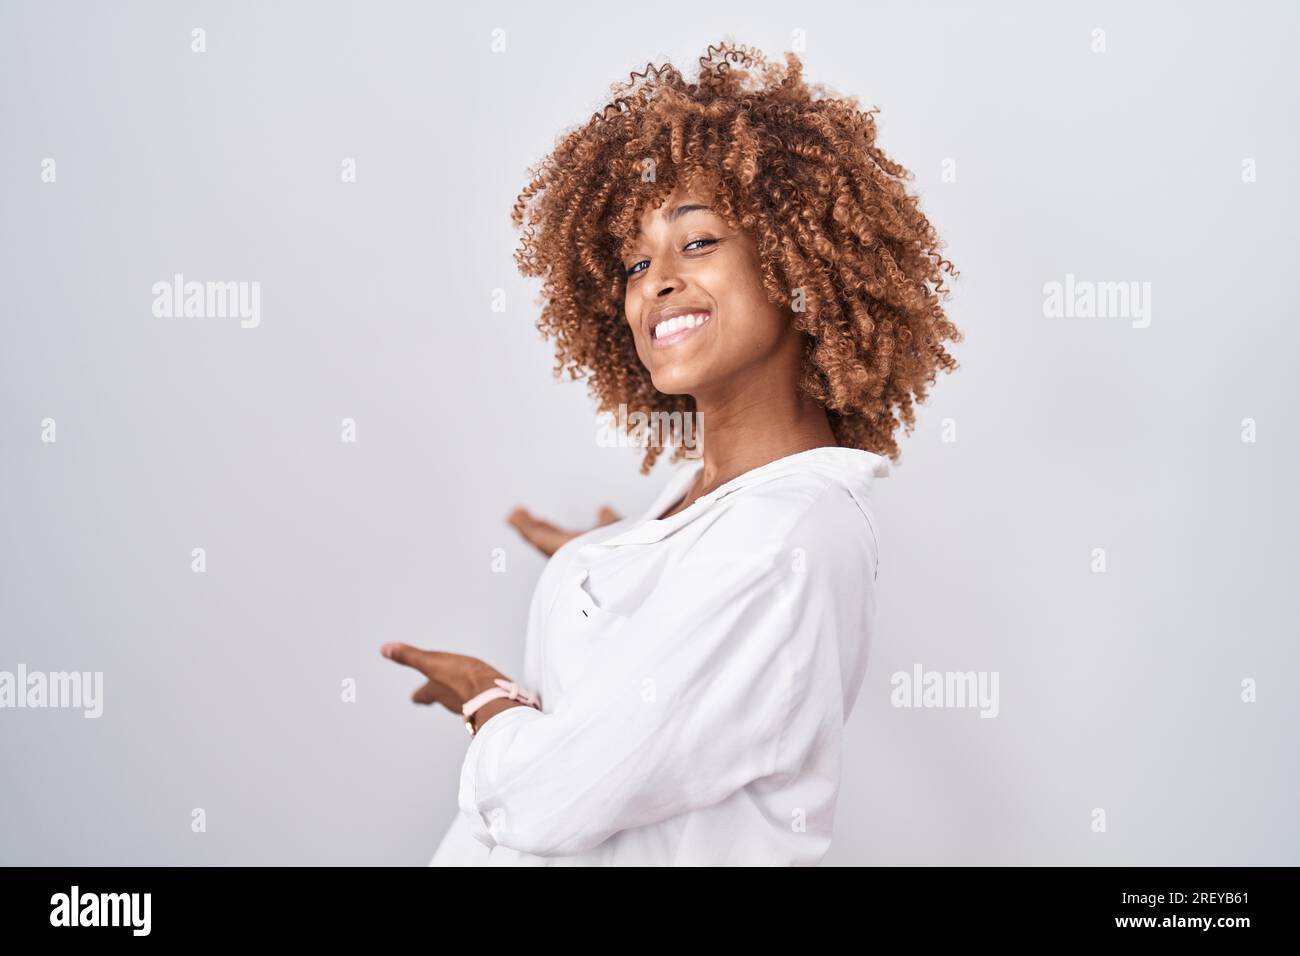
490	709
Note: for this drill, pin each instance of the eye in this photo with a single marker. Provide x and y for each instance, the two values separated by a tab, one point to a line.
635	267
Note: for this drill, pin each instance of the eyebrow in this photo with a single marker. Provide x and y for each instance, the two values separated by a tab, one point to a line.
673	216
684	208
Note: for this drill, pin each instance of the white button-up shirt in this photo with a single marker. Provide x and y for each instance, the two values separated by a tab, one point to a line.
695	674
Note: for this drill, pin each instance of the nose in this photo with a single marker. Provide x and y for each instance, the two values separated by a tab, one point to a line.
661	283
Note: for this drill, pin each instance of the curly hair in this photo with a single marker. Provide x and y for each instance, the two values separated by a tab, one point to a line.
794	166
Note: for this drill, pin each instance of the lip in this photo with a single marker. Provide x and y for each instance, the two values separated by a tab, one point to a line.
670	312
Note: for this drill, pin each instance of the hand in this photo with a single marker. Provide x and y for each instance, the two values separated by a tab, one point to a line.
452	679
546	537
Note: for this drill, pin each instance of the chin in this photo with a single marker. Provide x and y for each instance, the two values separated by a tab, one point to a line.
672	381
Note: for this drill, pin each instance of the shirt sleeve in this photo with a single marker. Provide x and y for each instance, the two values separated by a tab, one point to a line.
689	702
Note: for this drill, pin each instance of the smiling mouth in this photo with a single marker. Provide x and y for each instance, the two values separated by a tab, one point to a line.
678	328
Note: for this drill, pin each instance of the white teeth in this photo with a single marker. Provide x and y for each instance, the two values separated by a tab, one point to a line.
679	322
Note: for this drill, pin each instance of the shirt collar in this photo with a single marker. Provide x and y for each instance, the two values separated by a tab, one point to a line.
853	468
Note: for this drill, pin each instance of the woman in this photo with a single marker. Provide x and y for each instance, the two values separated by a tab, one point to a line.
736	249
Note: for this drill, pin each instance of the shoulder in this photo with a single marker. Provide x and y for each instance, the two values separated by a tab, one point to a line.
795	516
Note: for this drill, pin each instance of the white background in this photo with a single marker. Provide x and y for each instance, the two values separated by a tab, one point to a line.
1119	691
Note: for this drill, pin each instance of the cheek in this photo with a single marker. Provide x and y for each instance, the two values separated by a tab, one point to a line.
750	321
634	332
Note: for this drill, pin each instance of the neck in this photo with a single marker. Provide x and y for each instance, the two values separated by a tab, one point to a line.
745	431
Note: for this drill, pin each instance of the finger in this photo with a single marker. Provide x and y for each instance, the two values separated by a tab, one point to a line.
427	662
527	523
607	515
542	535
432	692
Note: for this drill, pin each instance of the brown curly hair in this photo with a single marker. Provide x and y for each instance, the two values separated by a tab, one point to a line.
794	166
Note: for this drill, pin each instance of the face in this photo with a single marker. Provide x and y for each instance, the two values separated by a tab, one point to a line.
697	307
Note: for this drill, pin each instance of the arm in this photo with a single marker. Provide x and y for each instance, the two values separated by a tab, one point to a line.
692	702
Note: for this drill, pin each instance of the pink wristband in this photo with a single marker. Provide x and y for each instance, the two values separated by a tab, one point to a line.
504	688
